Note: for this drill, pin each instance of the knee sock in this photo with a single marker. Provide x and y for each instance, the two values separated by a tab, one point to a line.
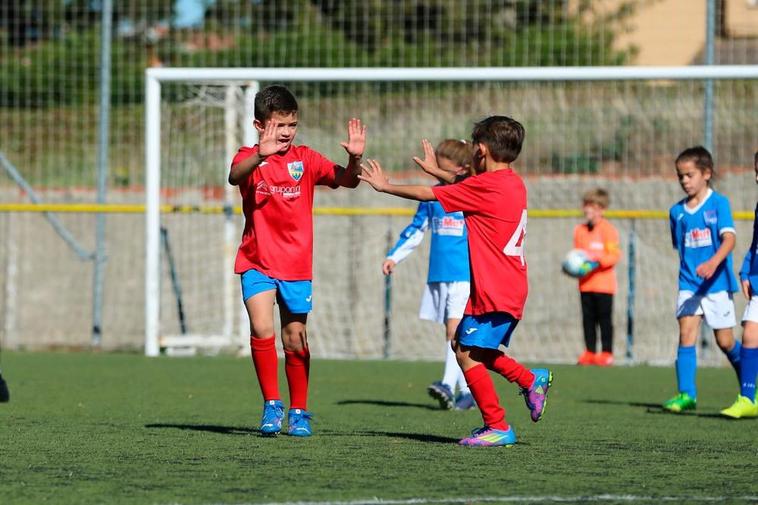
266	363
483	389
686	368
452	370
297	366
748	371
512	370
734	357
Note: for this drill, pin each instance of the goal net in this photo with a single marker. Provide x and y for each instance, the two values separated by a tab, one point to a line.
617	128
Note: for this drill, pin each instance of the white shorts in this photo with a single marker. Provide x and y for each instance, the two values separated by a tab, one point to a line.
717	308
751	310
444	300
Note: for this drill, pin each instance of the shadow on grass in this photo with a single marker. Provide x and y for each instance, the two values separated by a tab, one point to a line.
385	403
419	437
212	428
656	408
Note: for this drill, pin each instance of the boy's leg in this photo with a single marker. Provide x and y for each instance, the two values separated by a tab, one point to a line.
589	326
749	359
686	365
297	357
452	370
729	346
605	320
262	343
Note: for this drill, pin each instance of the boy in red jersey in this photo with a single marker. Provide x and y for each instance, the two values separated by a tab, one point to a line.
277	180
493	203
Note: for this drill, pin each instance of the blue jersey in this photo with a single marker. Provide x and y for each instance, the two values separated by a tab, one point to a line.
749	270
696	234
448	256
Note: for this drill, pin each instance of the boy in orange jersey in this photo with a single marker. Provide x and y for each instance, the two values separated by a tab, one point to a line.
600	240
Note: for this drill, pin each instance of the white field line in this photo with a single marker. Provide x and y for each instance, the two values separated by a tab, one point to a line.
520	499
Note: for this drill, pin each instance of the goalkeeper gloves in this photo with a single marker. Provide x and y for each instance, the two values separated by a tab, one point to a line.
587	267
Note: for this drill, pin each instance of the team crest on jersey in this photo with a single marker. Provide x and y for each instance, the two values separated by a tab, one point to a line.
710	216
295	169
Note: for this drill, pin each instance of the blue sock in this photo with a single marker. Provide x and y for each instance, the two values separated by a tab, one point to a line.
749	369
686	366
734	357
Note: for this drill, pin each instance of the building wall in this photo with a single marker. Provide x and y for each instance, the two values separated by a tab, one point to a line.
741	18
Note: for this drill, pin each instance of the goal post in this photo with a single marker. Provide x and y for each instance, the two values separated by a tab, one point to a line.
582	160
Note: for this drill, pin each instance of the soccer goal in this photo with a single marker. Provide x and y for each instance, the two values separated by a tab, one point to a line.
616	127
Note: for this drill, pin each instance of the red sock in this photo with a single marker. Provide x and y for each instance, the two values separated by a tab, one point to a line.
512	370
266	364
483	389
297	365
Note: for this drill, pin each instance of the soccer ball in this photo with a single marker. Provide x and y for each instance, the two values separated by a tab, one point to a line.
575	263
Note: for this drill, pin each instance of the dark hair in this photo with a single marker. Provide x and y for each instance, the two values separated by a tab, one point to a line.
698	155
502	135
274	98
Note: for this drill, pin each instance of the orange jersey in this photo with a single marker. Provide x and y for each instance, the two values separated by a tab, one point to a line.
602	245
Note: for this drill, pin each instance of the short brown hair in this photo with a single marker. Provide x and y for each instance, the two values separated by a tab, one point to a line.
502	135
598	196
459	152
698	155
274	98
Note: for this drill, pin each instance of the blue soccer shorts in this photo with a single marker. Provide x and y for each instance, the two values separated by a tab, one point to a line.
297	296
489	331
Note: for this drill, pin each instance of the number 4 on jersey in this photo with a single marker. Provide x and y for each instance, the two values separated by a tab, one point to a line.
515	245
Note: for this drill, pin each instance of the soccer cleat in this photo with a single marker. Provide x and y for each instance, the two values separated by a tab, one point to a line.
5	395
535	396
489	437
743	407
604	359
680	403
273	413
464	401
586	359
443	394
299	423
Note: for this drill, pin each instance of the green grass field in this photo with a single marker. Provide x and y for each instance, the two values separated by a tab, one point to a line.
117	428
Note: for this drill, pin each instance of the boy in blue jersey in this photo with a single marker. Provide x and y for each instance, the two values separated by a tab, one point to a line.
746	406
702	231
448	279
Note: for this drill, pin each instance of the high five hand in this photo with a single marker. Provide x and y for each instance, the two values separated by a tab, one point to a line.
356	138
429	163
267	142
374	175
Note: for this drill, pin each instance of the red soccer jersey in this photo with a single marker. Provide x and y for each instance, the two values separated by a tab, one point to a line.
277	200
494	206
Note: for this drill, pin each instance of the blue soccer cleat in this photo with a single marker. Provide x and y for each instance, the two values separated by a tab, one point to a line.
299	423
535	396
464	401
443	394
273	413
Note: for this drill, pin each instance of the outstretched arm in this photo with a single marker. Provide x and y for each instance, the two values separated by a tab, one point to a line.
374	175
355	145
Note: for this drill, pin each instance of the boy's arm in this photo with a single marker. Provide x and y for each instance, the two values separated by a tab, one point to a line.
411	236
267	145
374	175
611	249
355	145
707	268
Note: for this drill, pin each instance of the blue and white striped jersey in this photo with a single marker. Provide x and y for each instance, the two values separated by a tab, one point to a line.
448	256
749	270
696	234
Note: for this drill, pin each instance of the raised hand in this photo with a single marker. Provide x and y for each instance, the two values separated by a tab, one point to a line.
429	163
356	138
374	175
267	142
